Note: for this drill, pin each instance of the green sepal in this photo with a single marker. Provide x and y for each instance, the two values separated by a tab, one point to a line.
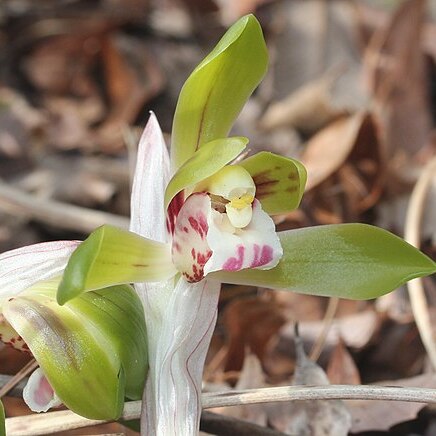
205	162
217	89
104	305
280	181
2	420
354	261
111	256
93	350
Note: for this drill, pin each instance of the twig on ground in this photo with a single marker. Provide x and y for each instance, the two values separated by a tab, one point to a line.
412	235
57	214
45	423
13	381
327	322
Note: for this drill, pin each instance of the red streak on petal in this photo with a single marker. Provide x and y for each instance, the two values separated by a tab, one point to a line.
173	210
266	256
233	263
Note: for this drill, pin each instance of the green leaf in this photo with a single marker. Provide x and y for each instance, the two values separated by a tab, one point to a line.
2	420
217	89
93	350
355	261
111	256
203	163
280	181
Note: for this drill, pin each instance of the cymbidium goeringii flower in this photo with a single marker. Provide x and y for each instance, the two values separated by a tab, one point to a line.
201	216
215	222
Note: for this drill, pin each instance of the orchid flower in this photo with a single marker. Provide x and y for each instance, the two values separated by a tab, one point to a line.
201	216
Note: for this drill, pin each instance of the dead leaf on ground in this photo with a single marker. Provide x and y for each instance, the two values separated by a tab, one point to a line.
67	69
341	369
307	109
132	78
327	151
250	322
310	418
356	330
251	377
382	415
330	38
60	65
70	121
396	352
345	167
395	69
298	307
396	306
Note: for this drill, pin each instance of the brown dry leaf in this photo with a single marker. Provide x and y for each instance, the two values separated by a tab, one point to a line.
369	19
19	125
381	415
70	121
395	69
396	352
392	211
309	38
307	109
328	150
341	369
395	306
251	377
356	330
60	65
30	117
297	307
311	418
250	322
346	166
132	78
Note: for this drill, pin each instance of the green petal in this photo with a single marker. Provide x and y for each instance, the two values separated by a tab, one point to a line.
217	89
111	256
355	261
92	350
279	181
204	162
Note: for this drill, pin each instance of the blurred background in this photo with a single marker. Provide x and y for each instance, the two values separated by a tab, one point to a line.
351	91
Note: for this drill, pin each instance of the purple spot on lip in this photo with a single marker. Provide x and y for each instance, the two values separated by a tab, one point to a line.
266	256
233	263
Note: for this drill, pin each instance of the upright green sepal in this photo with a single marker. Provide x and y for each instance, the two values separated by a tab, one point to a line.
92	350
217	89
280	181
112	256
355	261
